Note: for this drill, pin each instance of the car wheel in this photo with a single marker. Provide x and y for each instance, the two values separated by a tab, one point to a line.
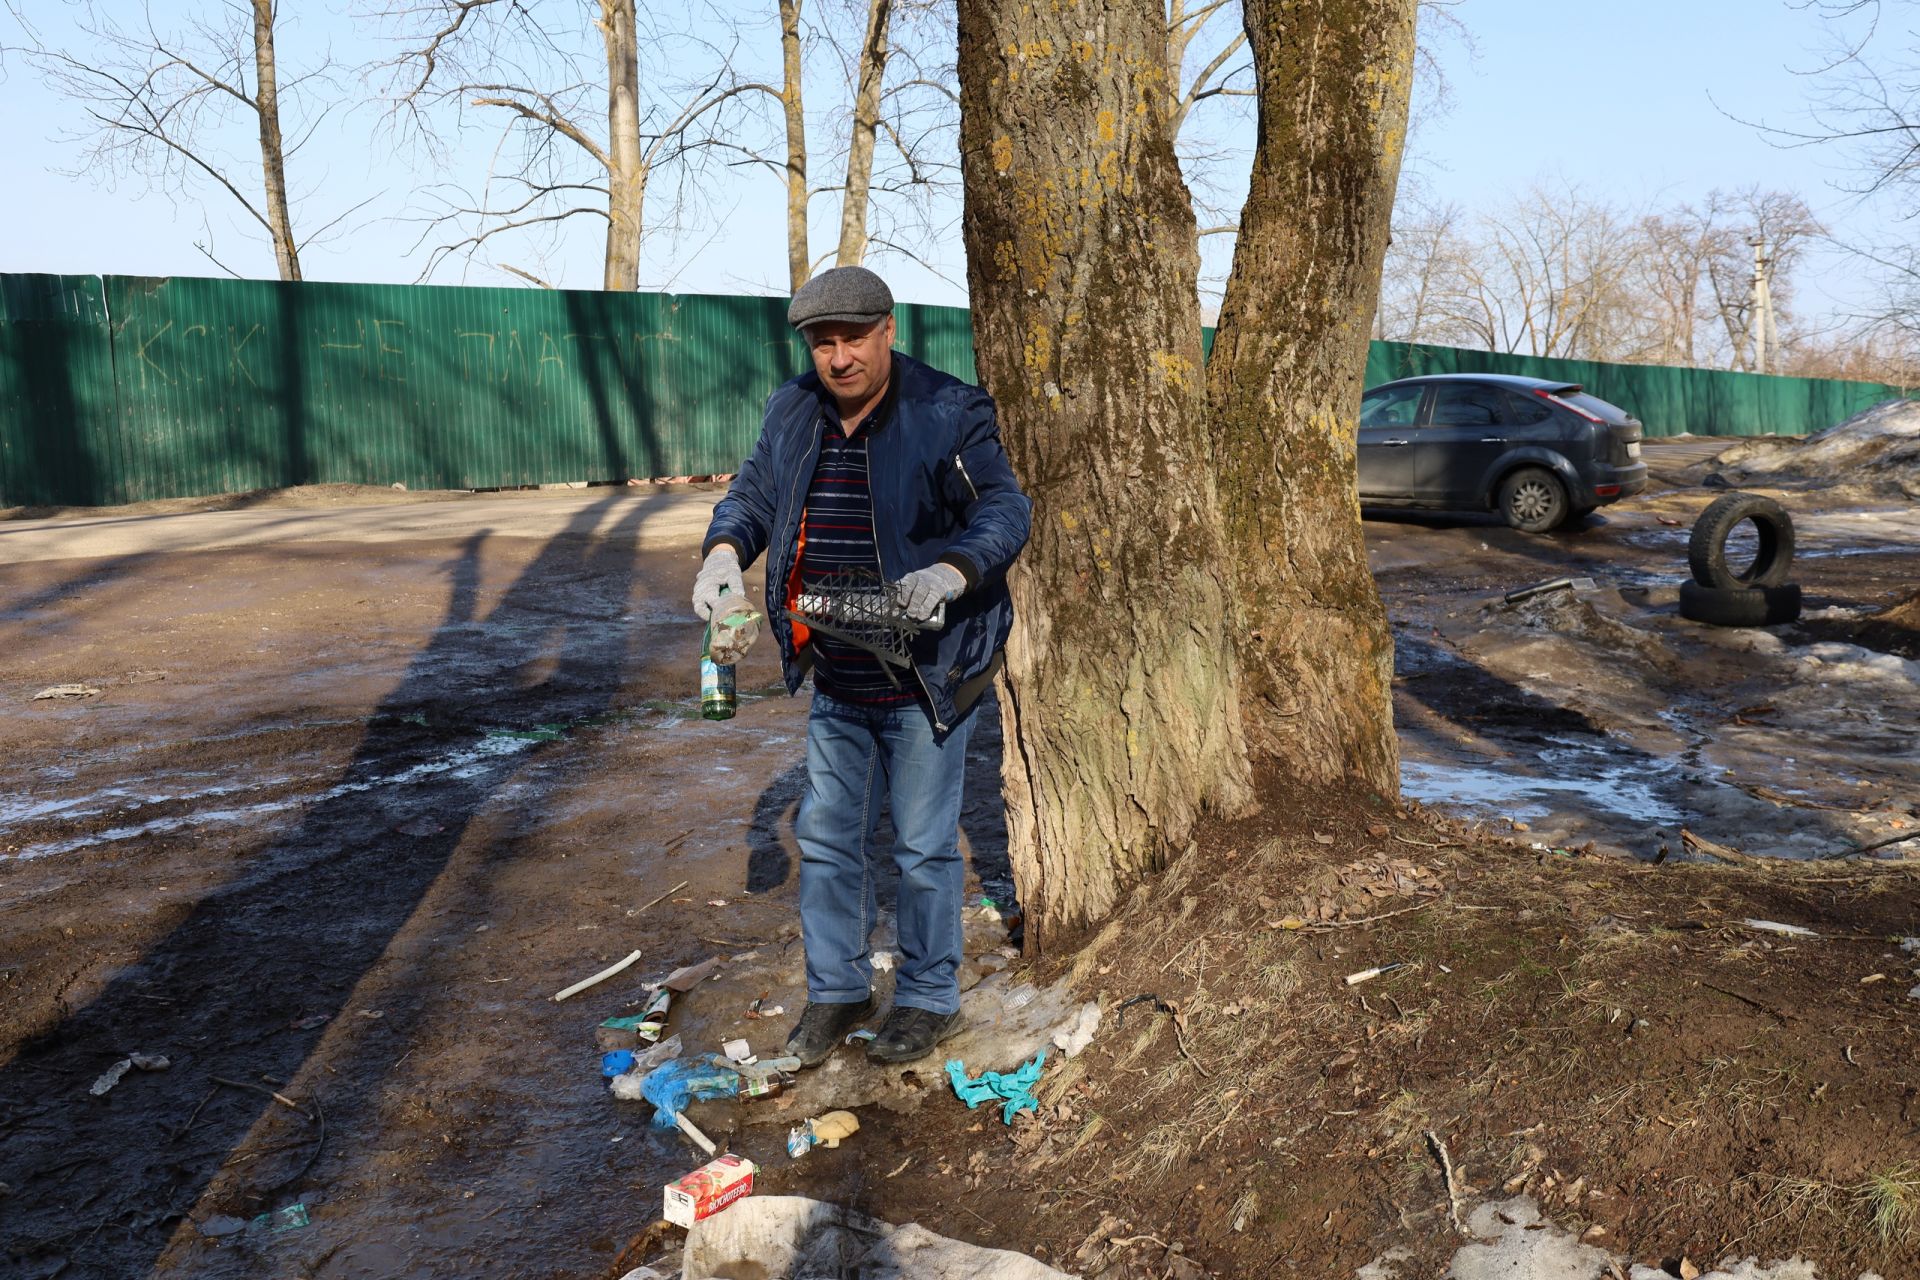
1707	547
1740	606
1533	500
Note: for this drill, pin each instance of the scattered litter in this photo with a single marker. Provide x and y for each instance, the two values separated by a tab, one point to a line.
883	962
291	1218
217	1225
66	691
1547	588
708	1190
862	1036
419	827
626	1086
1077	1033
111	1076
716	902
829	1131
602	976
669	1088
1873	978
309	1022
616	1063
1910	945
662	898
1015	1088
1668	521
687	977
653	1019
740	1051
1368	975
1774	926
1914	994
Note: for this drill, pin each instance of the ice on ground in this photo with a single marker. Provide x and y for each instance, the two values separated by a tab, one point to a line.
1878	445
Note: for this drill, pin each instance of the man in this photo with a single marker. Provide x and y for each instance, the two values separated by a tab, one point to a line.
874	461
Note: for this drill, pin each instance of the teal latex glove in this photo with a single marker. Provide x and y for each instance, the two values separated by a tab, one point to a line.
1015	1087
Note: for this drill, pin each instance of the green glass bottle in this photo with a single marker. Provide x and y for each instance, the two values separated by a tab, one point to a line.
717	700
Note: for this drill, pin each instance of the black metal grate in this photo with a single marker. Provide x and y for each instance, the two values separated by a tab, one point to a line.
859	607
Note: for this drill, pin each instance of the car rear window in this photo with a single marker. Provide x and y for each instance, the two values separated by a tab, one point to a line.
1596	406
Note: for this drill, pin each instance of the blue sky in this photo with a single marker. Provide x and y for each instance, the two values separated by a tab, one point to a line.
1631	99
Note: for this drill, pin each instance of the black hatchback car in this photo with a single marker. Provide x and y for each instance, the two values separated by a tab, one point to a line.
1538	452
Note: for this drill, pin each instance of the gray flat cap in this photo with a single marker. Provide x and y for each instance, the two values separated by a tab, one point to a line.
844	295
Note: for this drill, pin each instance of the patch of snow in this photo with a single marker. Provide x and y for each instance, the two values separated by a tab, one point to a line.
1515	1241
1880	442
1832	661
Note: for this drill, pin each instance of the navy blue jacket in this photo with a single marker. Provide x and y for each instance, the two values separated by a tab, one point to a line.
943	491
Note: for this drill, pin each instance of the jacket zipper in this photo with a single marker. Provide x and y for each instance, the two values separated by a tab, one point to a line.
971	488
873	515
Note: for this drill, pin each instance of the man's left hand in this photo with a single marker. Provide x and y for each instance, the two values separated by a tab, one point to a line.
921	593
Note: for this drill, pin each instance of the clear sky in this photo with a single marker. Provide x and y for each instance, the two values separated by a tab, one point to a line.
1633	99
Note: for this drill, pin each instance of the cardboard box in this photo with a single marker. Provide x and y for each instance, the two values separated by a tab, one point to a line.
708	1190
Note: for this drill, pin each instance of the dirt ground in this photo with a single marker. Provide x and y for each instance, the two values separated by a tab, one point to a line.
359	788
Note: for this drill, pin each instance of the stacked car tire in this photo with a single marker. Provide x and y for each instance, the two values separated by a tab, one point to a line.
1757	595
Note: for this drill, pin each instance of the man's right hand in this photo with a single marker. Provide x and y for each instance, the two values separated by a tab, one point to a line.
719	572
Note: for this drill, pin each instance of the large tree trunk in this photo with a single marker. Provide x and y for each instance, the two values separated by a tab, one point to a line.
866	122
273	160
1285	379
1120	700
799	260
626	169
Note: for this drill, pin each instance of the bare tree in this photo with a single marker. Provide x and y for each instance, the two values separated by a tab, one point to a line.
1120	701
161	103
1284	380
529	64
794	118
872	63
1781	226
1865	94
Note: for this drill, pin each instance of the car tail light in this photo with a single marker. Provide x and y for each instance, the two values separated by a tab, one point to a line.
1606	491
1570	407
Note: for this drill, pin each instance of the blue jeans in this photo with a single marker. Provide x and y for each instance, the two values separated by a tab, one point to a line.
858	756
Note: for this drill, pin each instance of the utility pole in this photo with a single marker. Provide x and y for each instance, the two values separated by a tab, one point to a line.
1760	313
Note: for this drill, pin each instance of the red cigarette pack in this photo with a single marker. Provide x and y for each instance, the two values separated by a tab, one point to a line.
708	1190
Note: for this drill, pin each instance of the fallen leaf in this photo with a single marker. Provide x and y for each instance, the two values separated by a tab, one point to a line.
1320	839
1377	830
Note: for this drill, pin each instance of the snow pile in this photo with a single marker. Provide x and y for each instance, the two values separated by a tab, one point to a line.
1832	663
1879	447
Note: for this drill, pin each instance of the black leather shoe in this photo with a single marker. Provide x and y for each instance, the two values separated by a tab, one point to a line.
822	1026
909	1034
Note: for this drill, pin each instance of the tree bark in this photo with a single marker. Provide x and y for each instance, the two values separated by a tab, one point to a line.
866	123
1285	379
273	161
626	166
1119	699
799	259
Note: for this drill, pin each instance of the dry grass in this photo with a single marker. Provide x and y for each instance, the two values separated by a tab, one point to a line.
1891	1200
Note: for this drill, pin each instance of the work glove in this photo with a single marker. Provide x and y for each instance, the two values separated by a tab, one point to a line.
921	593
735	627
719	572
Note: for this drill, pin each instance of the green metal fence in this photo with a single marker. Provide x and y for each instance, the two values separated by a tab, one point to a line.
119	389
1668	400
